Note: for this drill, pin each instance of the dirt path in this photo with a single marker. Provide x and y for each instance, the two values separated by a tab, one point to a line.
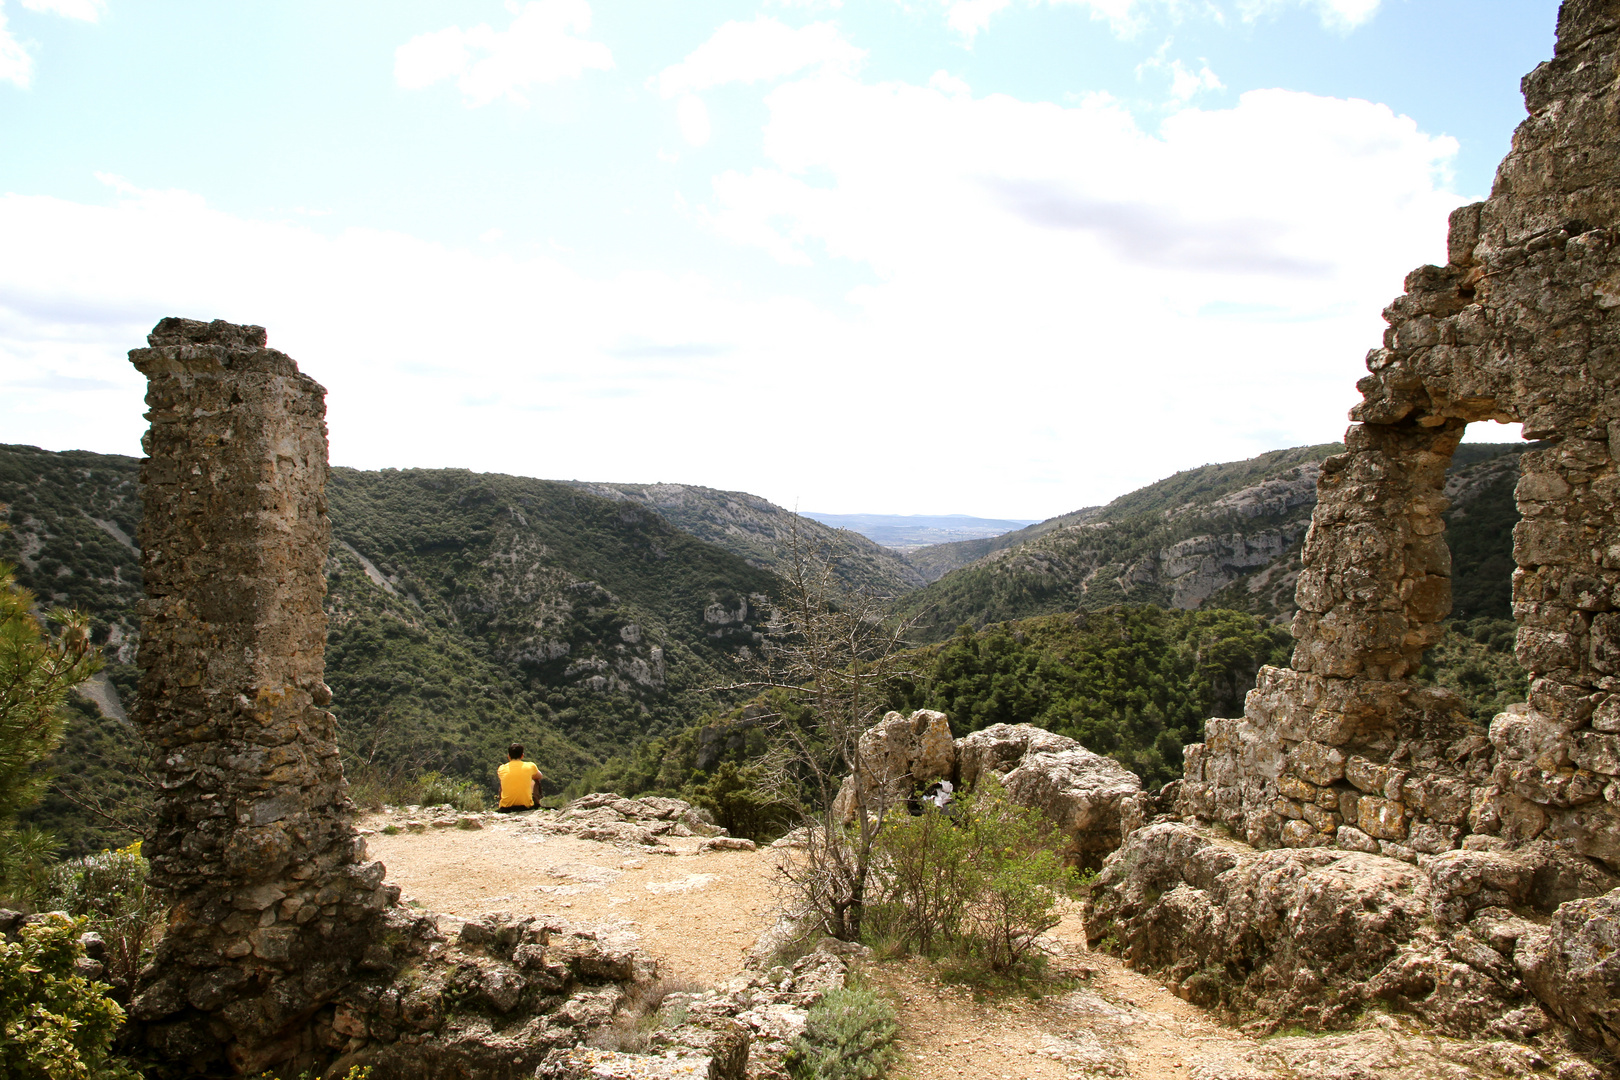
1116	1023
699	913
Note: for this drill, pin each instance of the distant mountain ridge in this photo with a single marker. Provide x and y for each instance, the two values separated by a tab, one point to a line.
908	533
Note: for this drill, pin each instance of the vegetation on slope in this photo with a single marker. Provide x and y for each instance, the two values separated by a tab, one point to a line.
1188	488
466	610
1224	535
759	531
1133	682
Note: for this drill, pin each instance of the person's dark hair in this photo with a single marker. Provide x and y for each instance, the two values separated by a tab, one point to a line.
515	751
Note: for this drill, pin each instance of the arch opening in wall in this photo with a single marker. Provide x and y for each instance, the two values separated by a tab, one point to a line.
1475	657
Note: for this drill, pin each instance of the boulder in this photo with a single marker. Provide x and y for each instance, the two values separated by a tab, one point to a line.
1001	748
1574	966
1290	933
898	755
1093	801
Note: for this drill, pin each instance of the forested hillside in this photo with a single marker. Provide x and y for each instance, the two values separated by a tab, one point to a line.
1224	535
760	531
467	610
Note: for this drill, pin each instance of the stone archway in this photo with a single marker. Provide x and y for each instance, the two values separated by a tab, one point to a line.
1341	749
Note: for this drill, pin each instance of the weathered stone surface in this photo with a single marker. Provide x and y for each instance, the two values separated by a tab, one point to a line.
1093	801
1317	935
1286	933
898	755
1001	748
1574	966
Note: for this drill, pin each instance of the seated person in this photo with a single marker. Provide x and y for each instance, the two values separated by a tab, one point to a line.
520	781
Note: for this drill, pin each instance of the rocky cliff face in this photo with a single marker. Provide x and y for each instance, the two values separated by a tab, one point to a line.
1224	536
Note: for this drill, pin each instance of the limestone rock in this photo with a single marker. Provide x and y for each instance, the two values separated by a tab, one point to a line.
1574	966
899	754
1093	801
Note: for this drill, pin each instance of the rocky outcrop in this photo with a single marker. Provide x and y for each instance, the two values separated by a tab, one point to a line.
1093	801
1319	935
898	755
615	819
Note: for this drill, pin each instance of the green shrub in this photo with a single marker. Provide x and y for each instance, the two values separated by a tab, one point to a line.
372	788
1021	879
440	790
848	1035
983	880
927	879
54	1023
111	891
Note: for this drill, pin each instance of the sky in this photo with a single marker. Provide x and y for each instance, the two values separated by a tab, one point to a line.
995	257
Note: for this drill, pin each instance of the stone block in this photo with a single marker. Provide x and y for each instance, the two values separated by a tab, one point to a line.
1318	764
1597	751
1351	838
1439	798
1297	834
1319	819
1380	818
1432	839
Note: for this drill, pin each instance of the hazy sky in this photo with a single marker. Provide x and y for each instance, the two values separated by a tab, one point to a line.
999	257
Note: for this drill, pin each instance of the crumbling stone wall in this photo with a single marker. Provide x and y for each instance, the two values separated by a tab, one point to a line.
1521	325
273	895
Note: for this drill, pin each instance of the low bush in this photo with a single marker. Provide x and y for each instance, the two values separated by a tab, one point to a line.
980	880
440	790
372	788
110	891
54	1023
848	1035
642	1013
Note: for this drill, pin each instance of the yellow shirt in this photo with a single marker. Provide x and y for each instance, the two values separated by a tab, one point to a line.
517	782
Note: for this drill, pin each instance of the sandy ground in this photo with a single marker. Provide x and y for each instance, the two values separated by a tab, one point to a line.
1114	1023
699	913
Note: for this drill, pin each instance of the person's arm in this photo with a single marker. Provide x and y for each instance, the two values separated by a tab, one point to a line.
534	795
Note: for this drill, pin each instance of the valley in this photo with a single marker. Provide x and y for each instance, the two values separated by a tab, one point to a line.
592	620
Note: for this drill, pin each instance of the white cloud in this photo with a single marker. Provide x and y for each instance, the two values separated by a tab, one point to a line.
16	66
87	10
1130	17
433	355
1185	84
693	118
1043	285
1222	275
540	46
757	51
1337	14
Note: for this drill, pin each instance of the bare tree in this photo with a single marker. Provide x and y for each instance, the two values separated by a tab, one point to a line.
829	659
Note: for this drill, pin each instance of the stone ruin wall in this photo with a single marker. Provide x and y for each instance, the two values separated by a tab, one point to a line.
1521	325
274	897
